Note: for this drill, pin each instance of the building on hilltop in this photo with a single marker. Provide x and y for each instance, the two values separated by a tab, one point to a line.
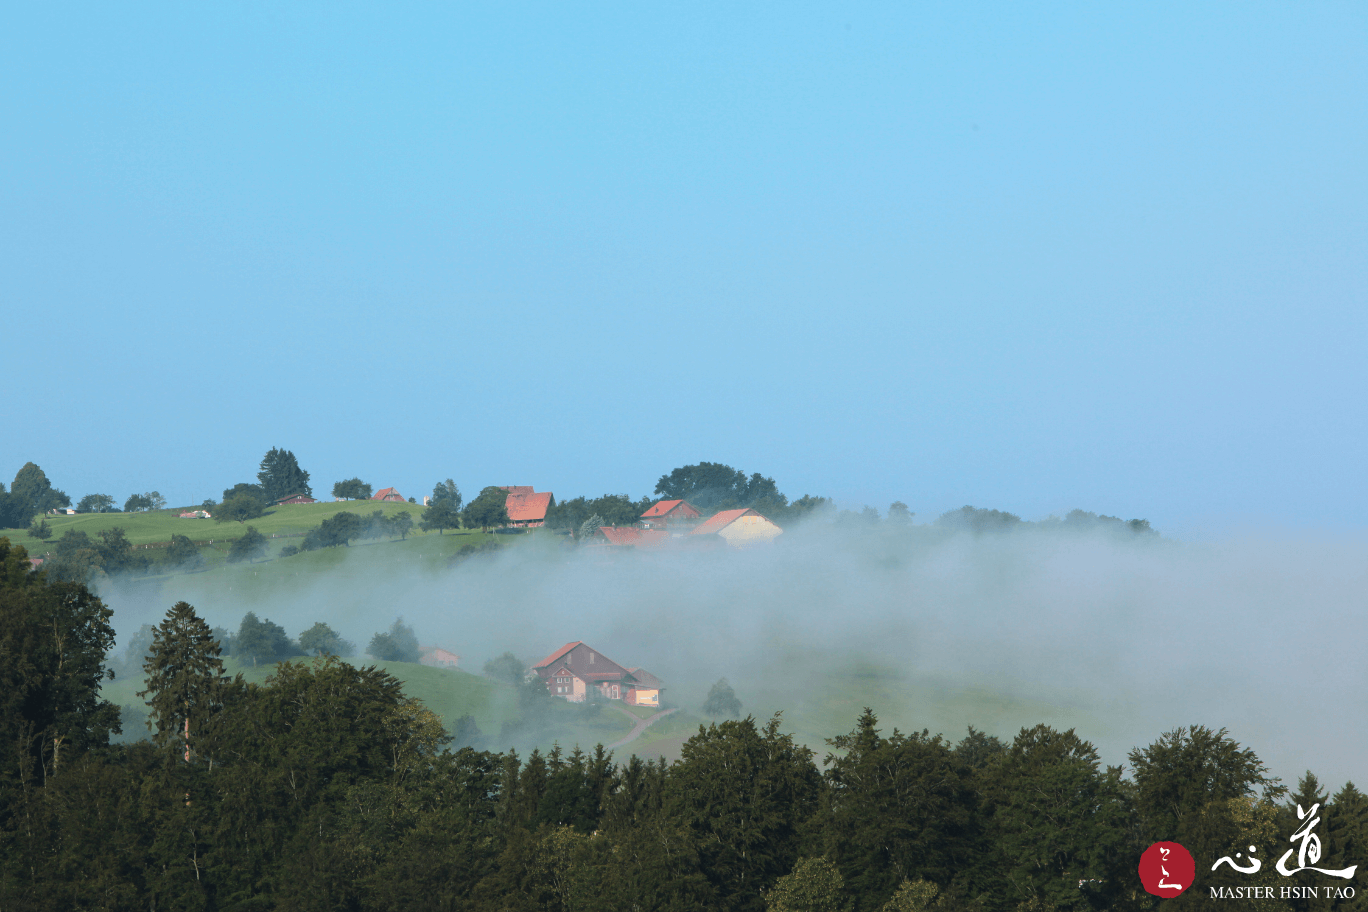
738	528
526	507
388	495
571	671
293	499
437	657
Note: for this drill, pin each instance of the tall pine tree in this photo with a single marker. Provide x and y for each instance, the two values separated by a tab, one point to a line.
281	476
184	676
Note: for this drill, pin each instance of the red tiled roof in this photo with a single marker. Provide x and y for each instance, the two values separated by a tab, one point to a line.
386	492
557	654
720	521
660	509
528	507
517	489
631	535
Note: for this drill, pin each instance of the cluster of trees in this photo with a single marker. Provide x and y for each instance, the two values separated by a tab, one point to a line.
344	528
974	519
29	493
327	788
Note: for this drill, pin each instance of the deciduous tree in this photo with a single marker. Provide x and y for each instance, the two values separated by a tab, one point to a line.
352	489
447	491
440	516
488	510
96	503
239	508
722	701
320	640
247	547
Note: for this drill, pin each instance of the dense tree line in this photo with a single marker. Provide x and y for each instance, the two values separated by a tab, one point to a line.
327	788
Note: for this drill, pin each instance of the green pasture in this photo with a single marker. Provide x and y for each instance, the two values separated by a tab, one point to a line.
159	525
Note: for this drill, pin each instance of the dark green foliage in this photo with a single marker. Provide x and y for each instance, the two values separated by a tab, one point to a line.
745	793
506	668
722	701
289	550
183	554
611	509
898	808
184	677
239	508
117	554
243	487
815	885
247	547
486	511
76	558
137	503
400	644
1057	818
448	492
400	524
320	640
34	493
53	640
338	529
281	476
352	489
96	503
39	529
14	512
440	516
262	641
1083	521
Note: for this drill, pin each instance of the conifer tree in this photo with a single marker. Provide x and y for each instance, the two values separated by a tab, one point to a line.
281	476
184	676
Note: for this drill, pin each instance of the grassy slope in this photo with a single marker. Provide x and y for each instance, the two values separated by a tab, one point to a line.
160	525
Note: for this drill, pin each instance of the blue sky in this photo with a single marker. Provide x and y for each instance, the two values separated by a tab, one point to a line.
1101	256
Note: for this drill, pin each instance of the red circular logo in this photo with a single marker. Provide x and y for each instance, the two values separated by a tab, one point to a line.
1166	869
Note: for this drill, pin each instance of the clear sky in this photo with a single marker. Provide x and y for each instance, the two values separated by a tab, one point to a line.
1031	257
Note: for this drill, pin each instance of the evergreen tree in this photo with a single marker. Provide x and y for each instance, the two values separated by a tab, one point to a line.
184	677
32	489
281	476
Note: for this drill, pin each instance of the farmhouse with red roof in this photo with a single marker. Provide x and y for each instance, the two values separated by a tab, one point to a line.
739	528
388	495
526	507
675	515
572	670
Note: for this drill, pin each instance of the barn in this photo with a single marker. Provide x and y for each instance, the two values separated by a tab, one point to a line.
738	528
388	495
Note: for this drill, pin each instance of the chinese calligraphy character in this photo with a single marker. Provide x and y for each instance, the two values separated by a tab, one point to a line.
1254	863
1310	848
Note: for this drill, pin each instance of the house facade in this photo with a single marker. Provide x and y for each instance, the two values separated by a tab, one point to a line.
575	669
437	657
293	499
388	495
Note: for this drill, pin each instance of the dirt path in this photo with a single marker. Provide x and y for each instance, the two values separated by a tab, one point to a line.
640	726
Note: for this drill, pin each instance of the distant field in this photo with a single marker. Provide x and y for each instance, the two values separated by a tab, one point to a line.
160	525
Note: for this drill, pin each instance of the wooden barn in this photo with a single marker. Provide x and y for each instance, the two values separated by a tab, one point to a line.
293	499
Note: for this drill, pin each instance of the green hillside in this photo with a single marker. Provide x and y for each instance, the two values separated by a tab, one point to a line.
160	525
